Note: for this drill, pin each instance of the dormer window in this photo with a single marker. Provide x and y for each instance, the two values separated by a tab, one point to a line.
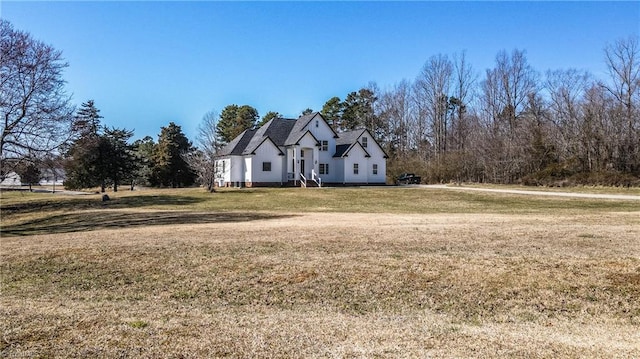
364	142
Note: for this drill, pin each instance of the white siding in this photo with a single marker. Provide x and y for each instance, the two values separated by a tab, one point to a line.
237	169
338	170
307	141
355	155
247	169
290	161
381	177
377	157
324	133
223	171
309	145
267	152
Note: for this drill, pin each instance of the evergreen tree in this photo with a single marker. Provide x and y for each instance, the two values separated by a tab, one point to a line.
268	117
358	111
120	162
234	120
99	156
143	152
29	171
83	160
79	164
87	119
332	111
169	166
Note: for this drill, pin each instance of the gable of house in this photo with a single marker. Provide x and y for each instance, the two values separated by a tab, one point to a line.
355	161
372	146
308	140
267	162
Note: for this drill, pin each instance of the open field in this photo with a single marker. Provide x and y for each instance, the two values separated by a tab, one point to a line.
371	272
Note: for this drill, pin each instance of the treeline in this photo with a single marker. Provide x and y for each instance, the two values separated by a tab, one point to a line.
511	125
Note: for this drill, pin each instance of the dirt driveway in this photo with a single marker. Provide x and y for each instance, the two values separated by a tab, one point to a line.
538	193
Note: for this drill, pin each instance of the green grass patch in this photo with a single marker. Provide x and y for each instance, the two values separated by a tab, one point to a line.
138	324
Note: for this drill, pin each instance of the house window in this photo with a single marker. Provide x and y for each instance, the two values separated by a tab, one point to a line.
266	166
317	123
324	168
324	146
355	168
301	153
375	169
364	142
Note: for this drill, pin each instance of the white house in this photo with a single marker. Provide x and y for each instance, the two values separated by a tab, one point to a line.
49	177
306	152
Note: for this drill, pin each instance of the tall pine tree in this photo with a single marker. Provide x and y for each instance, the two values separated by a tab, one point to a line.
83	160
121	163
234	120
169	166
99	156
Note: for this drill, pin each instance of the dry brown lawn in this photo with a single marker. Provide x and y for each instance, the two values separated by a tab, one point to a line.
342	285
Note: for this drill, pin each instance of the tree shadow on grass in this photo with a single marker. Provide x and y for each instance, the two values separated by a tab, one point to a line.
94	202
93	221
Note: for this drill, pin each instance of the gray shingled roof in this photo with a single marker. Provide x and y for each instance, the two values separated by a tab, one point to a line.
284	132
238	144
349	137
346	141
299	129
276	130
341	149
257	139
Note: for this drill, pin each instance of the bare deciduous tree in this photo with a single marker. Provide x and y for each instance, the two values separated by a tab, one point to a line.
623	61
394	109
36	112
506	91
464	83
513	80
566	91
202	161
432	90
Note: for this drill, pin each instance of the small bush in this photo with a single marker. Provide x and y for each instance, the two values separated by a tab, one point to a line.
138	324
605	178
560	175
554	175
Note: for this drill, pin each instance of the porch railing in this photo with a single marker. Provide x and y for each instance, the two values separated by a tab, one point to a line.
315	178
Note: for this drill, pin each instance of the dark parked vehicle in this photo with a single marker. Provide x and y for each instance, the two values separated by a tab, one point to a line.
408	178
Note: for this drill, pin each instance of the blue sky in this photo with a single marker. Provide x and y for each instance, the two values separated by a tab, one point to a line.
148	63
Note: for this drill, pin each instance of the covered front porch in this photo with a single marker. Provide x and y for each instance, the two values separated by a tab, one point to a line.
302	166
